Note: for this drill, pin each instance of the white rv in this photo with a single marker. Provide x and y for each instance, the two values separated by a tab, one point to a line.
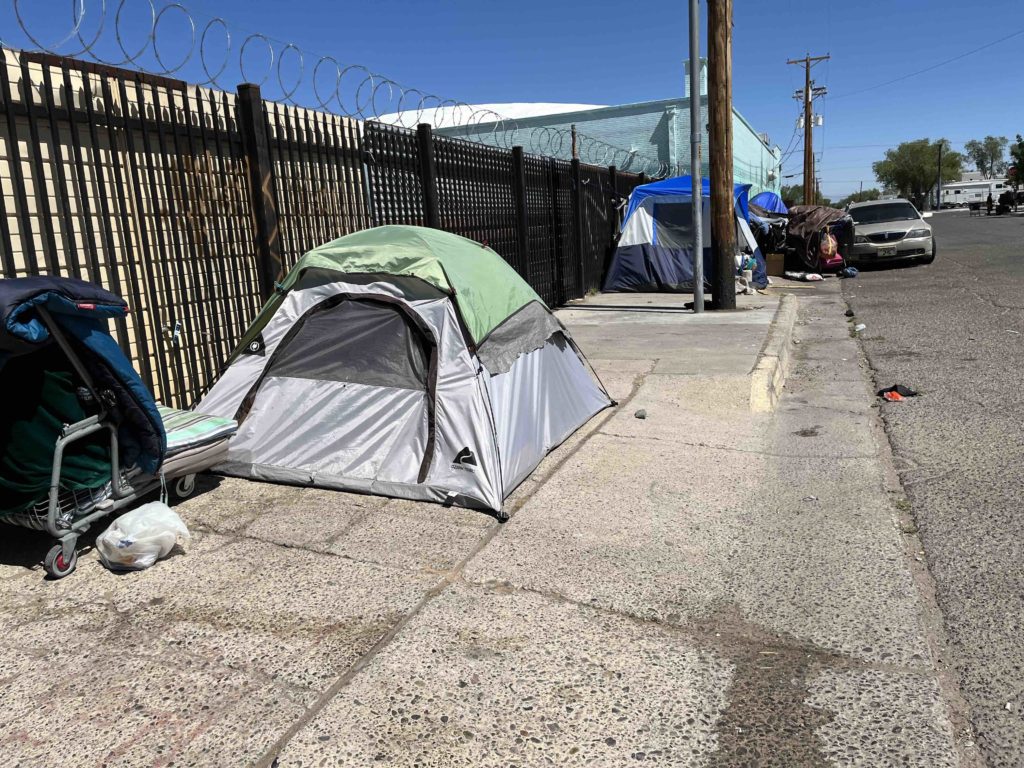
963	193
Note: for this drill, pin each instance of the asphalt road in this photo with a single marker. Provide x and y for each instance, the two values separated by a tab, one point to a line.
954	330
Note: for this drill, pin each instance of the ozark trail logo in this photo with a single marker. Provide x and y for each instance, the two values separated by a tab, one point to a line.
464	459
256	346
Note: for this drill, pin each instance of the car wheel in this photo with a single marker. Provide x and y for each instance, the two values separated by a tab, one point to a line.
930	258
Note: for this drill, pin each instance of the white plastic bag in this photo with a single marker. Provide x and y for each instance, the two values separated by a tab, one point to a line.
139	538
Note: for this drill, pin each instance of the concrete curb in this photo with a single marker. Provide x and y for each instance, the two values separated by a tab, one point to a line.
769	373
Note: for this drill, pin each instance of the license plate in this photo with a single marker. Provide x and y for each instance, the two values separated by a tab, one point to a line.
889	251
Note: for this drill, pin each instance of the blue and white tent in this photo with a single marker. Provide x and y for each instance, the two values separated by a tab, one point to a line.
655	250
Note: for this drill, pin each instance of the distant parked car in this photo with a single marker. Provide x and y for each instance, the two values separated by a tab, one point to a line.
890	230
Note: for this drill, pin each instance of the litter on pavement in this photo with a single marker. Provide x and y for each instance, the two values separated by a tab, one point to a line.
807	277
139	538
898	389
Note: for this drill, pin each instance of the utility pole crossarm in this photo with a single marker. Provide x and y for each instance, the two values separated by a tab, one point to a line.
810	59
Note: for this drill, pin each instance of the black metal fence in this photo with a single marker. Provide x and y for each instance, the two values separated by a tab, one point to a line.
191	202
553	220
137	183
317	177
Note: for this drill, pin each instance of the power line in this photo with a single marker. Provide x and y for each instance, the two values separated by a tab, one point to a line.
934	66
790	147
890	145
797	146
792	137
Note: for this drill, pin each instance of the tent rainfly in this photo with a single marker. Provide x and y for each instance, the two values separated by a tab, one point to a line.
655	249
769	202
407	362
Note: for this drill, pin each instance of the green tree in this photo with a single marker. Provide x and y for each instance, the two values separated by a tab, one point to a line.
1017	162
988	155
859	197
912	168
794	195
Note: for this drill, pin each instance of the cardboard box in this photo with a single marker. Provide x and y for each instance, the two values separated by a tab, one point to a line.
776	264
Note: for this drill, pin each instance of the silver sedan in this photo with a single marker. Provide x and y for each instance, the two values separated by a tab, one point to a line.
889	230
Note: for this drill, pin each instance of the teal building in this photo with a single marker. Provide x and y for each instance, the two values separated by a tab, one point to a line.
652	137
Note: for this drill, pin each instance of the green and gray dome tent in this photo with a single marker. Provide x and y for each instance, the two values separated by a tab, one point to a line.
408	362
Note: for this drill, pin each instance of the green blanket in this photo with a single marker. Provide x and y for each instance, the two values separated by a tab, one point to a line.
38	398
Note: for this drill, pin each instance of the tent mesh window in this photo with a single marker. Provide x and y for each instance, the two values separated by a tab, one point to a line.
674	224
377	345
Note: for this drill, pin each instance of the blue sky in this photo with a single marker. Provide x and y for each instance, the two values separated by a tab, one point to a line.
616	52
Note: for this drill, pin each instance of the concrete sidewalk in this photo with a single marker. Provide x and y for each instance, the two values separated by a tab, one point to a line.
706	586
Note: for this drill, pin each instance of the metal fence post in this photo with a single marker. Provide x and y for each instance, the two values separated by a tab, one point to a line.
253	127
522	218
428	175
577	222
613	218
613	182
558	250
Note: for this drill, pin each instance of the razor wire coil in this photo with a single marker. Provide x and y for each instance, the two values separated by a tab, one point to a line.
204	50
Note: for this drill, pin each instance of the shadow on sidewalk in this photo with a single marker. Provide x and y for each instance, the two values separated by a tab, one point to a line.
683	310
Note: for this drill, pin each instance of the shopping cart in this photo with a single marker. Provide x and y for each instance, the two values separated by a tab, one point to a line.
148	447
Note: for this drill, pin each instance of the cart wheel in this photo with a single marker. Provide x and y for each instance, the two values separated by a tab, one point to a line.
184	487
57	565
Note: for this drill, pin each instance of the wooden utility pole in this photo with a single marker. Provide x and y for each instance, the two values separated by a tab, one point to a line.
696	174
723	215
809	94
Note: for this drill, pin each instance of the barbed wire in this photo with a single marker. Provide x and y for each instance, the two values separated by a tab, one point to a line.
164	37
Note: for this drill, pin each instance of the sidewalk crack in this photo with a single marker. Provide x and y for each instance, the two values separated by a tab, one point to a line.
271	754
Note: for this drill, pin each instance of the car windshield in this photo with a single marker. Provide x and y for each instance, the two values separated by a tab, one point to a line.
875	214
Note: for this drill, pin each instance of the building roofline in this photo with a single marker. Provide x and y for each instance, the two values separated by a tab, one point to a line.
662	103
583	112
